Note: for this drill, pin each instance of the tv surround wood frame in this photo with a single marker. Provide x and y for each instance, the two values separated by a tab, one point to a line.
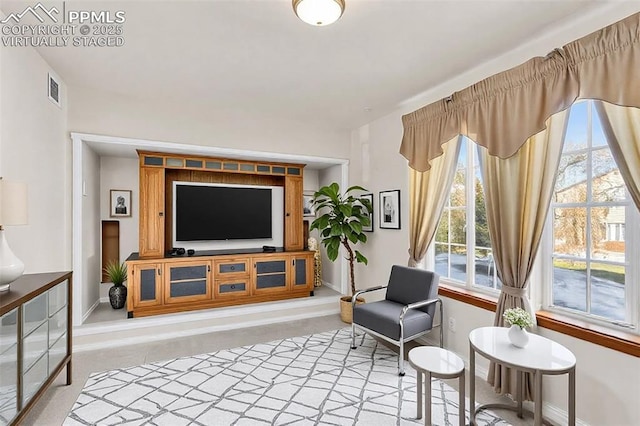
159	283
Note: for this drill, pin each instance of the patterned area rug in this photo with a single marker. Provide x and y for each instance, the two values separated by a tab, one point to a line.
309	380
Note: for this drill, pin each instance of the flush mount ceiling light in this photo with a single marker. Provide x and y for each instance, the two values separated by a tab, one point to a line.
318	12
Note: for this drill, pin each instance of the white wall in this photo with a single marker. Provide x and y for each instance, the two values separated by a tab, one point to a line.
90	230
607	380
34	148
114	115
331	271
120	173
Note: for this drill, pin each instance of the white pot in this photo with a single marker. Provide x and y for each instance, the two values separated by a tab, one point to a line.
518	336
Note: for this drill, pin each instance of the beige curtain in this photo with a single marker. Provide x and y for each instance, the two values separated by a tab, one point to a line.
501	112
621	126
518	192
428	193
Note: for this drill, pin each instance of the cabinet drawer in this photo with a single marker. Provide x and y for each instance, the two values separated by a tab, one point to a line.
231	267
232	288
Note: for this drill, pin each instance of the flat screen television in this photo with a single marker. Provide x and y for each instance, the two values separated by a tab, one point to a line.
212	212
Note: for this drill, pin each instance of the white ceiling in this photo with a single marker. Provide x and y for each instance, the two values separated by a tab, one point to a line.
257	56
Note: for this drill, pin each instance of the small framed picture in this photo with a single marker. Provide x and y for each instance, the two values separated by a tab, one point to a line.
120	203
307	206
370	198
390	209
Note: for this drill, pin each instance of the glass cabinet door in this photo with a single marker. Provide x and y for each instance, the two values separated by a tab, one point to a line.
8	366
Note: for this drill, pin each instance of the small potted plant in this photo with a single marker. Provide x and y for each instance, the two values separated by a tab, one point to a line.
341	225
117	274
519	319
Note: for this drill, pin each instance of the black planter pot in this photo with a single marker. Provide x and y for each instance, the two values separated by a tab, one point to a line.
117	296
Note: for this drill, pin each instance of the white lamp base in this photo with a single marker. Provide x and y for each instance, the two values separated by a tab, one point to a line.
11	268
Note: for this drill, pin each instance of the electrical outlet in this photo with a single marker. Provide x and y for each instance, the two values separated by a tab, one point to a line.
452	324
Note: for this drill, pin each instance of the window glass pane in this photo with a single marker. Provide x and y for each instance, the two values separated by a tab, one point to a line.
607	184
442	259
484	267
571	183
458	259
442	233
458	226
607	291
576	137
597	134
570	284
458	194
607	233
569	231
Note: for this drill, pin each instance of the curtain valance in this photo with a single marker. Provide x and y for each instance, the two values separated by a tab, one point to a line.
501	112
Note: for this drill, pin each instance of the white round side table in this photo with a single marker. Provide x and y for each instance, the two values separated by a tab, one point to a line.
440	363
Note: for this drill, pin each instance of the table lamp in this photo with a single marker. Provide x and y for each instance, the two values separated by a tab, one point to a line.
13	211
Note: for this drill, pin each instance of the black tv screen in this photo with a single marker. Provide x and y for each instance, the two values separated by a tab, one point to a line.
221	213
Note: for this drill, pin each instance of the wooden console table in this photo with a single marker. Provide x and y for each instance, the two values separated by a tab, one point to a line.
35	326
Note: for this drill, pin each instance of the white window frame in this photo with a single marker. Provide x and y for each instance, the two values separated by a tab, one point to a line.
632	269
470	240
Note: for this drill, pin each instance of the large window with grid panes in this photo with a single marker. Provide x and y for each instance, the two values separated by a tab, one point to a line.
592	230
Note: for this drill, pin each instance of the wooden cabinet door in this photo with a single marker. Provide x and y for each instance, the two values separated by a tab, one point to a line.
144	285
301	272
270	275
293	210
151	212
187	281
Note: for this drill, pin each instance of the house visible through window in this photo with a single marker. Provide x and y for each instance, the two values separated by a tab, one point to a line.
590	272
462	257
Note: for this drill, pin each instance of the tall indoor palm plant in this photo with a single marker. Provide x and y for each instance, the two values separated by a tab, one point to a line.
340	223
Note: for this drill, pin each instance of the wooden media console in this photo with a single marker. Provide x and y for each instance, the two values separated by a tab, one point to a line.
159	283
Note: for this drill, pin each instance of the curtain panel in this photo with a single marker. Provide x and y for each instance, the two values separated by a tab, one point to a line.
501	112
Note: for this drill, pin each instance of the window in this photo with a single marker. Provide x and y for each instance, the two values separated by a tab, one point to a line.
461	257
588	268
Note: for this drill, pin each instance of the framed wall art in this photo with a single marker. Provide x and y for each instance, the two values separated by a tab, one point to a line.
120	205
389	202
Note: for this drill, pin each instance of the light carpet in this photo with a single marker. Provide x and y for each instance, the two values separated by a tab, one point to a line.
308	380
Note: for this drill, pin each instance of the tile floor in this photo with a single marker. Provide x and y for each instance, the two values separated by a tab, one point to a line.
56	402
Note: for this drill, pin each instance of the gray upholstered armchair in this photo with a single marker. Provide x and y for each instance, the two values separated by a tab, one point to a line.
406	313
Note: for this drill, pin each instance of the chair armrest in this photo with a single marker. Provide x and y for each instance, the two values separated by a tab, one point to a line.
418	305
358	293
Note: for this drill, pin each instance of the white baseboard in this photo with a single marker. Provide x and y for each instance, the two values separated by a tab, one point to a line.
102	300
549	411
91	309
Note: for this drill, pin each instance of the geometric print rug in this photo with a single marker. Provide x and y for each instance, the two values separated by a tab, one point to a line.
309	380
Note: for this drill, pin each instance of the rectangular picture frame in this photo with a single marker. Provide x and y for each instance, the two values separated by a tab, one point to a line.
389	210
120	203
370	198
307	207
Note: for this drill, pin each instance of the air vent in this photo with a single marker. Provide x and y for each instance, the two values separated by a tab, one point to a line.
54	89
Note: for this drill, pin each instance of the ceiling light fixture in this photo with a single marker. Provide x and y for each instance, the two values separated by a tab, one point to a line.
318	12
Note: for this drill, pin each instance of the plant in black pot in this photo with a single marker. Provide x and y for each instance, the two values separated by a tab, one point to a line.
340	223
117	274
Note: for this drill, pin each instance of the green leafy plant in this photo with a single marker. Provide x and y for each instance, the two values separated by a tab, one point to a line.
518	316
116	272
341	221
